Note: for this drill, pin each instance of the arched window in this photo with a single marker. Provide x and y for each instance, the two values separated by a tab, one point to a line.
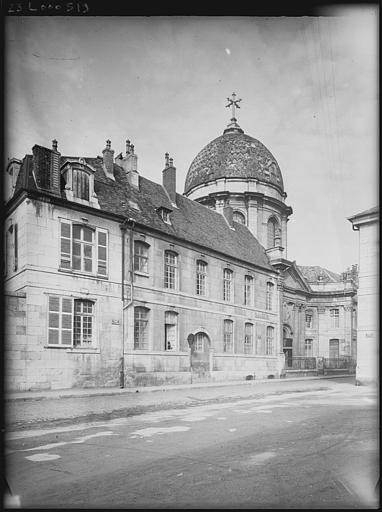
141	320
238	217
248	338
171	323
269	297
201	342
227	284
269	344
201	278
141	256
228	336
273	232
170	269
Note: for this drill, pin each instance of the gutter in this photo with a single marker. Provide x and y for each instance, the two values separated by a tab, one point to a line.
125	224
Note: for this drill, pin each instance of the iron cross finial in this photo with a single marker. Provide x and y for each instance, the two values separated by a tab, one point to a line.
232	102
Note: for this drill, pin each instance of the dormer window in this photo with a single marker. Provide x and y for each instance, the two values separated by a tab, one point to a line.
78	178
164	213
80	184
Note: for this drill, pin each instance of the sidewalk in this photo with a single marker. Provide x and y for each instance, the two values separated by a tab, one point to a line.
49	408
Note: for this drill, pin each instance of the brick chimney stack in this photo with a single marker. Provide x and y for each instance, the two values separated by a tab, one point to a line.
130	164
108	160
169	178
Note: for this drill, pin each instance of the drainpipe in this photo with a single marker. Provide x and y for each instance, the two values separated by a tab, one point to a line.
123	226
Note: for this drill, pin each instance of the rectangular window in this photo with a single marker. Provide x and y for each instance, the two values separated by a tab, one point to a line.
171	320
334	349
228	336
308	348
141	257
248	290
170	269
83	248
269	341
201	278
200	341
248	338
141	320
269	297
83	327
334	318
309	319
60	320
227	284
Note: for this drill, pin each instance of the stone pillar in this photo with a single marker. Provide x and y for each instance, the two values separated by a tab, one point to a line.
211	359
252	216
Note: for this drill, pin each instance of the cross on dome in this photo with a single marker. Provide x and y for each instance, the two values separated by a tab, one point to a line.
232	102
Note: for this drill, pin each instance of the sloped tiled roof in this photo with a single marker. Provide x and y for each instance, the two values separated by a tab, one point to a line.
312	273
190	222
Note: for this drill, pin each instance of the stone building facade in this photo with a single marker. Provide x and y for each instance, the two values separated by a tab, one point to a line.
112	279
367	223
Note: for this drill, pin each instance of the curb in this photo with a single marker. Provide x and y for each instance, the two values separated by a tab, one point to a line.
113	392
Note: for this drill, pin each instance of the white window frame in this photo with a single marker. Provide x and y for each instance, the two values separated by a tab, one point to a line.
248	290
334	318
228	341
308	347
141	343
82	315
227	285
248	338
170	270
141	257
269	346
269	296
66	249
65	316
201	278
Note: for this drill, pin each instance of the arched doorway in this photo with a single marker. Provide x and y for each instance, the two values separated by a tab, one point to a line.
288	346
200	344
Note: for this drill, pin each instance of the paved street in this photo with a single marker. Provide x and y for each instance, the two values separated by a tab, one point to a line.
316	448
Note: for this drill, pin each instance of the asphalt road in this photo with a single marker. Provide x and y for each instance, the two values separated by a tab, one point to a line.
316	449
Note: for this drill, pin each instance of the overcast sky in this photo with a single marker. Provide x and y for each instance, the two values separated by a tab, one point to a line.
309	92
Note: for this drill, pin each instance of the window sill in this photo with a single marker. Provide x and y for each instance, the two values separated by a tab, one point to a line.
143	274
83	350
71	350
82	273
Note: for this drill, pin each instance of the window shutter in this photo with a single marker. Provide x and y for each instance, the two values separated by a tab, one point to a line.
102	252
60	320
66	245
67	321
54	321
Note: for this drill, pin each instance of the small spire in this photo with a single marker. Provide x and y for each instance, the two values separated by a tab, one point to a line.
127	147
108	144
166	162
54	145
171	162
132	149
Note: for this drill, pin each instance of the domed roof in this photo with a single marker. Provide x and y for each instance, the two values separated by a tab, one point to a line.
234	155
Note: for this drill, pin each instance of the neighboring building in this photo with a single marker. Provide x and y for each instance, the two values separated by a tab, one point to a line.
367	223
113	279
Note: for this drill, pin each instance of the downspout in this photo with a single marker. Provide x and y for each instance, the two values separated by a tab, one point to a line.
123	227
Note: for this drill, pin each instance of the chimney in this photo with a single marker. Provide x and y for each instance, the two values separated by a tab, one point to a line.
108	160
169	178
130	164
46	168
228	214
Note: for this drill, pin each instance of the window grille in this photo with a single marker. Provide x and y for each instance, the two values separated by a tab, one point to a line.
227	284
141	320
228	336
201	278
248	338
248	290
141	257
170	269
269	341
